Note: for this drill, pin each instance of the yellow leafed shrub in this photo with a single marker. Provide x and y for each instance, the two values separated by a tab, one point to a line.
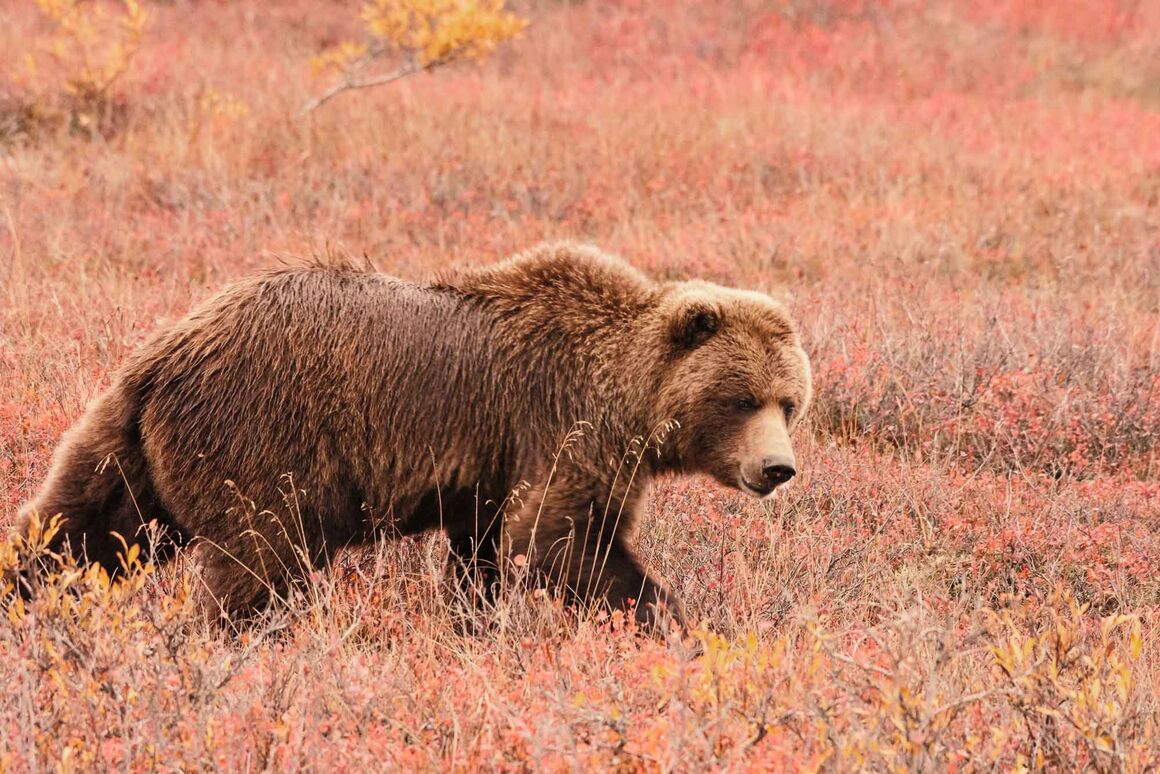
93	43
68	74
408	36
434	31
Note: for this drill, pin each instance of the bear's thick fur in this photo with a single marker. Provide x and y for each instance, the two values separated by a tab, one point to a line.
308	409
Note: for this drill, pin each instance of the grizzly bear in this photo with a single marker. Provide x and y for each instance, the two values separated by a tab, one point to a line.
523	408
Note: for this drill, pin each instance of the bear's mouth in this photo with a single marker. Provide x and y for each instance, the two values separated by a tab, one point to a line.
760	492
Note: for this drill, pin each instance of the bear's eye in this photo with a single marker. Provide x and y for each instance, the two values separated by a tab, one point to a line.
747	403
790	408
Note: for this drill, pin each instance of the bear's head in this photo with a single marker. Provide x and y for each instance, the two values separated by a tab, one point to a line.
736	379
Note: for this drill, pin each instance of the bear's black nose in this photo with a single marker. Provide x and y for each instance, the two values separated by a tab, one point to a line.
778	473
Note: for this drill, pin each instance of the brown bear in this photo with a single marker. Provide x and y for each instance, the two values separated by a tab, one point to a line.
523	408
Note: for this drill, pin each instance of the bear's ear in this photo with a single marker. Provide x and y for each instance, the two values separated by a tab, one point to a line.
694	323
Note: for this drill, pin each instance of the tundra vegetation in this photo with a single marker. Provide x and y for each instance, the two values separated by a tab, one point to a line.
959	202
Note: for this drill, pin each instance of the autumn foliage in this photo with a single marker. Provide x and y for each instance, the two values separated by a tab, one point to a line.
958	200
418	35
64	78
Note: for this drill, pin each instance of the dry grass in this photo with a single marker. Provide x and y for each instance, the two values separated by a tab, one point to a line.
960	201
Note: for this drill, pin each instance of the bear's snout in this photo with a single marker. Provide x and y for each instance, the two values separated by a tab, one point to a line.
766	454
776	471
762	479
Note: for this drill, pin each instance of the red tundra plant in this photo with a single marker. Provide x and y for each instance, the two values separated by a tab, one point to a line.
996	383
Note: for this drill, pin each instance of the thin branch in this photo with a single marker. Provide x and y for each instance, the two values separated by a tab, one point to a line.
348	84
351	83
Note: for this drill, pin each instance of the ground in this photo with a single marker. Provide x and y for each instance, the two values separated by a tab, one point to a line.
960	202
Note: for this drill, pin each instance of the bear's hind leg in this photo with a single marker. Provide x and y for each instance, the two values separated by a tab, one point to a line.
99	484
265	565
231	592
472	577
473	569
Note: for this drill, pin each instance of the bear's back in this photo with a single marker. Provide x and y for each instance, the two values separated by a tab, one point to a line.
340	378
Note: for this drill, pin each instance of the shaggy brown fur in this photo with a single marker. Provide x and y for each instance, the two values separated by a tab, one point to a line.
304	410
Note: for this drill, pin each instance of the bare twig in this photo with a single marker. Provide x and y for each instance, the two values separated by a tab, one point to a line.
351	82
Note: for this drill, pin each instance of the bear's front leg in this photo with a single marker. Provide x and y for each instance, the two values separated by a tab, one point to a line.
626	582
578	543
